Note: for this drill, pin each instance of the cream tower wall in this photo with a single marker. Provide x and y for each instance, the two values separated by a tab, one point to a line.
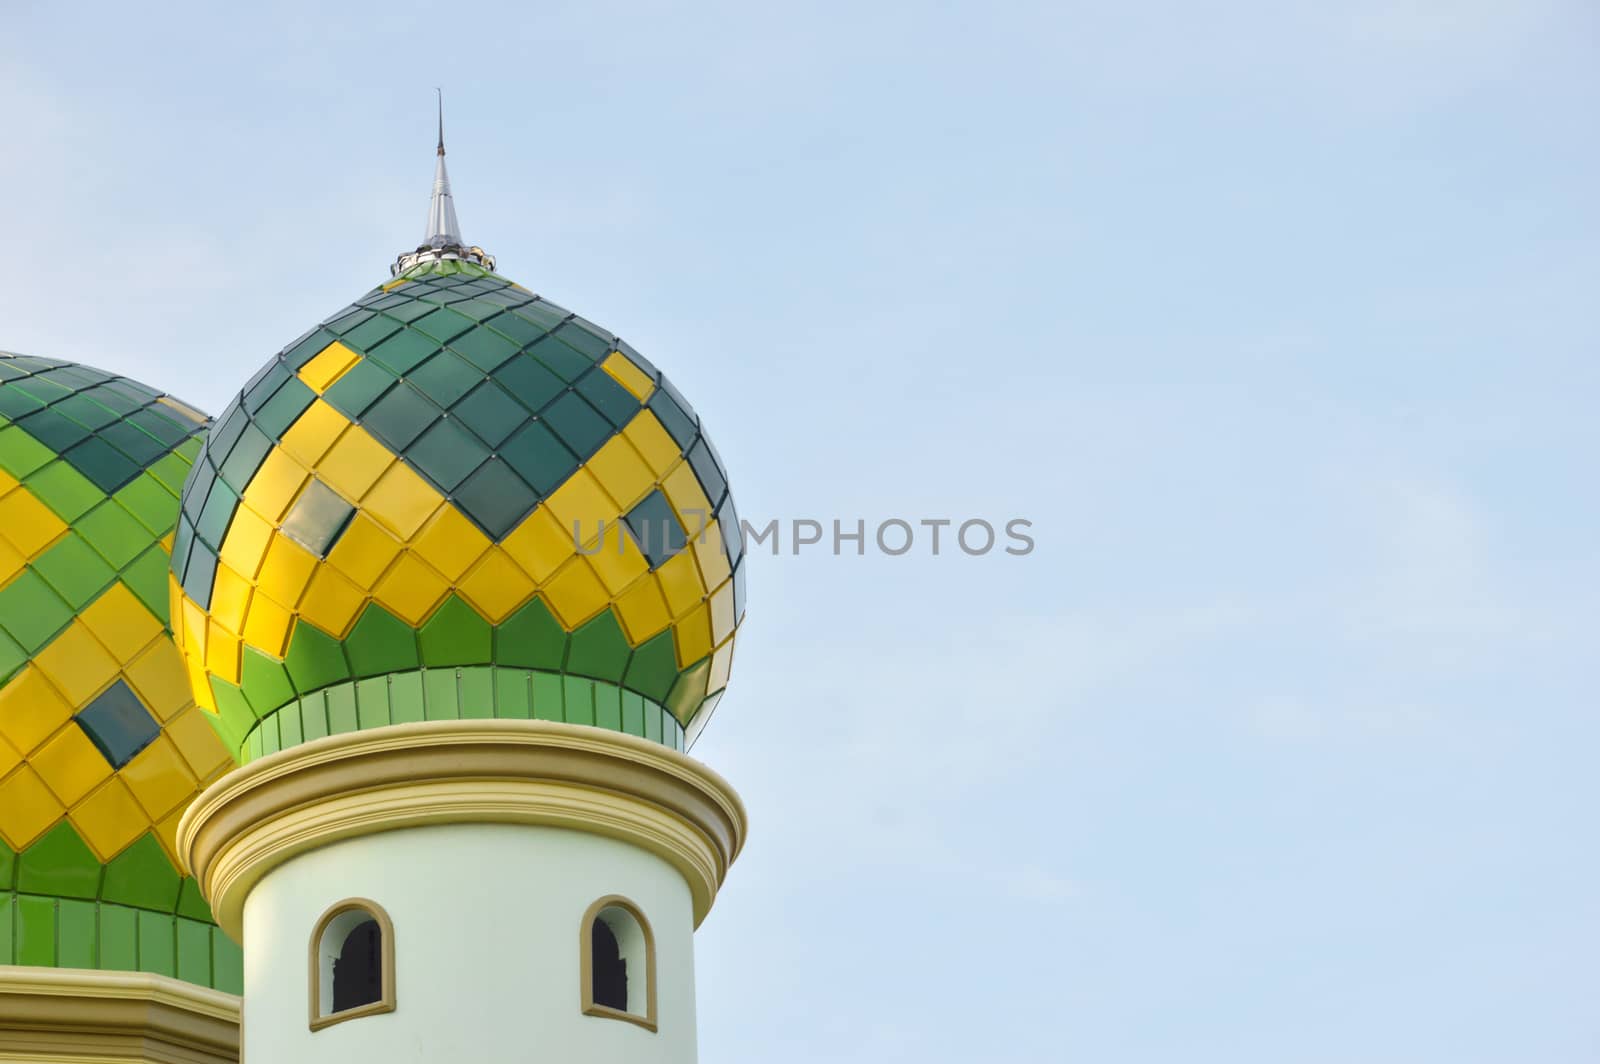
486	933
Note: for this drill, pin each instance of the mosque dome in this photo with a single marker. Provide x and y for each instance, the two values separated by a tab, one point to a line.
102	746
454	498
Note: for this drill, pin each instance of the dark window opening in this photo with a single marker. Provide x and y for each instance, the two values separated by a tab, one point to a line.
610	971
358	973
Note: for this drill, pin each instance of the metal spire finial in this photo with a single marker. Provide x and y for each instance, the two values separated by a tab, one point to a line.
443	238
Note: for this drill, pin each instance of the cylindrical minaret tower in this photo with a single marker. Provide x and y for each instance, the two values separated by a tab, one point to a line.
458	575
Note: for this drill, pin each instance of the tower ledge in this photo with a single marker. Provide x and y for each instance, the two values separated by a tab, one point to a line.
67	1014
529	772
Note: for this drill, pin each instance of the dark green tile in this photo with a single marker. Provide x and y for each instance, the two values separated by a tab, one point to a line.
539	458
580	427
599	649
380	643
142	877
455	635
59	864
532	638
446	454
533	385
353	393
118	724
400	417
615	403
653	668
490	413
403	351
485	349
444	378
495	498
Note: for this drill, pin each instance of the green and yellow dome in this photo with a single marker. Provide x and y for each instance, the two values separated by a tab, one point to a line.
400	518
102	746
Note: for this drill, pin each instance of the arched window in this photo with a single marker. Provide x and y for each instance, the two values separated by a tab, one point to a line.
618	962
352	963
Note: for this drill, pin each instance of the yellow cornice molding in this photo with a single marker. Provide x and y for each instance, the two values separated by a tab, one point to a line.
455	772
67	1014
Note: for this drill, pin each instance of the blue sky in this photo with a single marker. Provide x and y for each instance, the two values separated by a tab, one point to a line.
1277	320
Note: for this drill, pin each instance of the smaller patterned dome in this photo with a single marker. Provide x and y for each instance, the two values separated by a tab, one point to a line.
398	520
101	744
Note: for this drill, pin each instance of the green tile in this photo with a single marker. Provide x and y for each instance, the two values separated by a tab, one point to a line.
268	730
485	349
314	716
172	470
265	682
534	639
69	493
442	688
512	695
31	611
147	579
194	952
404	350
653	668
8	869
652	724
578	694
354	392
141	876
687	694
8	903
191	902
608	706
490	413
380	642
539	457
529	382
477	693
406	702
495	498
12	656
288	720
372	702
284	408
234	715
113	532
342	715
150	502
59	864
455	635
444	378
76	931
615	403
599	649
102	464
446	453
401	416
157	946
20	453
227	964
548	703
314	660
633	711
36	931
75	570
442	324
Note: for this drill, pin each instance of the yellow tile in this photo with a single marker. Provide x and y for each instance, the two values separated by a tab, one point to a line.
199	744
575	593
652	441
711	555
621	472
355	463
159	679
222	653
166	834
628	375
722	619
450	543
643	611
7	482
618	562
332	602
721	666
9	758
192	625
364	551
166	543
683	491
692	636
275	485
540	545
77	664
230	599
109	819
11	561
331	363
30	710
159	778
70	765
680	583
309	438
266	626
402	501
27	523
120	621
581	504
27	808
246	542
199	683
286	571
410	589
496	586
